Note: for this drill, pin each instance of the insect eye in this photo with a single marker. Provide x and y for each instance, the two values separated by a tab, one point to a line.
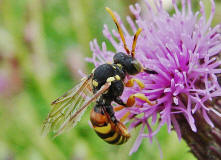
137	65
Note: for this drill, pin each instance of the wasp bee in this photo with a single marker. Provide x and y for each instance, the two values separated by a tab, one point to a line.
104	85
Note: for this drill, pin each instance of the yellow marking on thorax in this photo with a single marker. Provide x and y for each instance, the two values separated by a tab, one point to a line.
110	79
104	129
109	139
117	77
95	83
119	65
114	67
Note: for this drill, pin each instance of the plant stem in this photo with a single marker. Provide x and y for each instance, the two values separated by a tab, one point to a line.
205	144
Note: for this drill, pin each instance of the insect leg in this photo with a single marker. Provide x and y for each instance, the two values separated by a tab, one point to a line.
130	83
119	133
109	109
131	99
125	116
119	124
119	101
118	108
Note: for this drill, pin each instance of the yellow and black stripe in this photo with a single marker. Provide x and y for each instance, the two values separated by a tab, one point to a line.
108	131
110	134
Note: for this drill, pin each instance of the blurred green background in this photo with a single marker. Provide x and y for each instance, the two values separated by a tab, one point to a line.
42	44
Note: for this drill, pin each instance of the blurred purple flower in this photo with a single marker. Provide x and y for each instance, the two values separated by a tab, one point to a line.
10	79
75	61
182	48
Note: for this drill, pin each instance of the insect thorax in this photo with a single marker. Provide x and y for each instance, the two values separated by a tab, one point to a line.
109	73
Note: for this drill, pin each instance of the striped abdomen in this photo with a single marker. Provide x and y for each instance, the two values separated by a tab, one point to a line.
107	130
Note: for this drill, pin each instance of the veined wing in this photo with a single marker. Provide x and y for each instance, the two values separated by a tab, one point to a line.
67	105
75	117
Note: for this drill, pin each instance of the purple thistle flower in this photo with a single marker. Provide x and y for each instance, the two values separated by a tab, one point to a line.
182	48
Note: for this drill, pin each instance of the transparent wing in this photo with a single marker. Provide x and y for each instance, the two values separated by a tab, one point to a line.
67	105
75	117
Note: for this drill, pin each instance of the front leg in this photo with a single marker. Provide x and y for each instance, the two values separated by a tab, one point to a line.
130	83
119	101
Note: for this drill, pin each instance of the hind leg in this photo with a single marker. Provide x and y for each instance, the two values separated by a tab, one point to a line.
110	111
131	100
119	127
